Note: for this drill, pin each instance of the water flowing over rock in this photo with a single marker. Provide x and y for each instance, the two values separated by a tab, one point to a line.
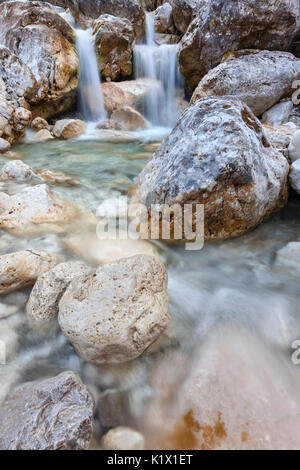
259	78
36	210
218	155
125	307
86	11
222	26
128	93
114	39
22	268
42	306
44	42
55	414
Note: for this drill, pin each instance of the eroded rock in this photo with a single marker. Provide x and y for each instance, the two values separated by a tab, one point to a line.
163	19
22	268
54	414
218	155
125	307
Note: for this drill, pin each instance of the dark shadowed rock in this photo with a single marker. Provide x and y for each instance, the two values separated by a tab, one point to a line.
259	78
55	414
184	11
114	39
222	26
218	155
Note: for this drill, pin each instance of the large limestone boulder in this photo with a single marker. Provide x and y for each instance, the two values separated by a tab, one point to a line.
163	19
42	306
114	39
38	209
22	268
115	314
221	26
259	78
218	155
55	414
129	119
45	43
69	128
128	93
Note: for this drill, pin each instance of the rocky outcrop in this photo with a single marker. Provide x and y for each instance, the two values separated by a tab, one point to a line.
128	93
115	314
86	11
37	209
259	78
222	26
45	46
184	11
42	306
294	176
217	155
123	438
22	268
114	39
69	128
163	19
129	119
55	414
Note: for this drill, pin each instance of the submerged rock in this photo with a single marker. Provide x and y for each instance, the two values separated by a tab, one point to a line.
221	26
45	43
218	155
42	306
129	93
294	176
125	307
114	39
37	209
259	78
123	438
129	119
22	268
69	128
55	414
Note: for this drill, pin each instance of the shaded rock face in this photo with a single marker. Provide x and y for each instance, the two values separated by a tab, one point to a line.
115	314
85	11
218	155
55	414
45	43
114	39
184	11
222	26
22	268
259	78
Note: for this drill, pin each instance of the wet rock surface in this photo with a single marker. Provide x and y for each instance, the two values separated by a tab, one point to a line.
126	309
218	155
55	414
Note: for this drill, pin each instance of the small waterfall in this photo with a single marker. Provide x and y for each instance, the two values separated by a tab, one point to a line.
159	63
91	98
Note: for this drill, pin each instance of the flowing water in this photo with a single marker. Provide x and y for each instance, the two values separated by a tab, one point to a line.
159	63
91	98
235	315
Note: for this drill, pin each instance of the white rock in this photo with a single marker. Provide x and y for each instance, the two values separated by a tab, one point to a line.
294	176
294	148
4	145
115	314
22	268
44	135
278	114
123	438
17	170
43	302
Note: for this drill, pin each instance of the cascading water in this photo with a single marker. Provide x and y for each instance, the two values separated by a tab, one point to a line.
159	63
91	98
